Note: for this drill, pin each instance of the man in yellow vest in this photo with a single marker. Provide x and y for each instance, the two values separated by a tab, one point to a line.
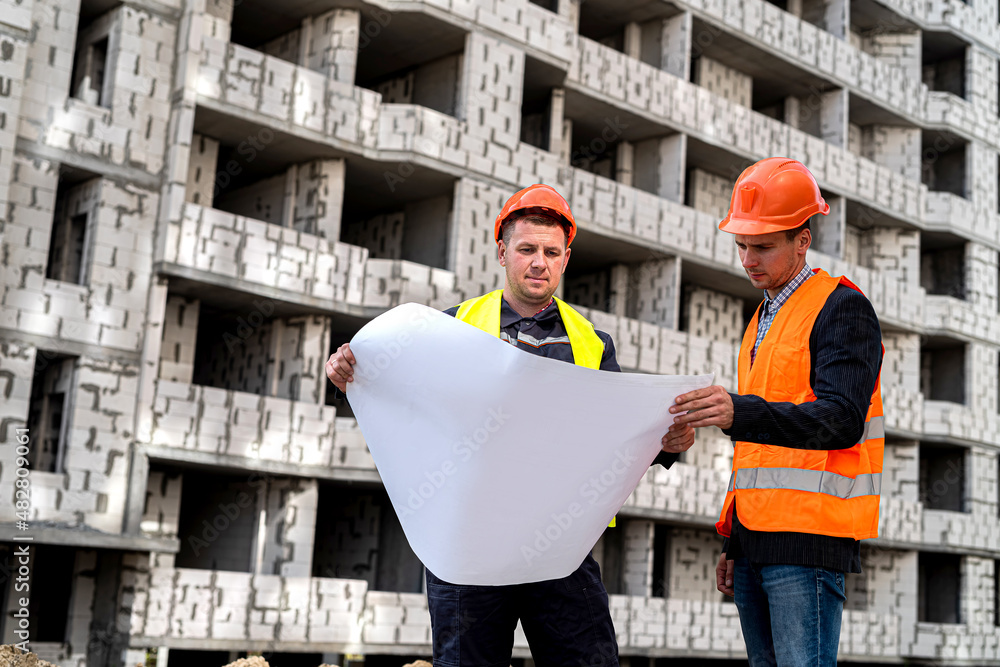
806	424
566	621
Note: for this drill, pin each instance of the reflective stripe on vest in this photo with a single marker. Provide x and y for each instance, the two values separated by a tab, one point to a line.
785	489
817	481
483	312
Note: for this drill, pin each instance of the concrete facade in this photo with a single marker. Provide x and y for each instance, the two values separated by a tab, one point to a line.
201	199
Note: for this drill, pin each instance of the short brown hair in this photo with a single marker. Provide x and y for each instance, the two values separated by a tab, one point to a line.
792	233
507	229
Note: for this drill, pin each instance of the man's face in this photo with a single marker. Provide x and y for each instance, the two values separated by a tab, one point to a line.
771	260
534	261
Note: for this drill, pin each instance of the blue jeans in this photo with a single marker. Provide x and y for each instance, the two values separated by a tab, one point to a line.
566	621
790	614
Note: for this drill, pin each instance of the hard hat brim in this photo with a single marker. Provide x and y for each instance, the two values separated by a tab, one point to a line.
758	226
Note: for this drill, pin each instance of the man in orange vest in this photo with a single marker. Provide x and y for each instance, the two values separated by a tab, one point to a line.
566	621
806	424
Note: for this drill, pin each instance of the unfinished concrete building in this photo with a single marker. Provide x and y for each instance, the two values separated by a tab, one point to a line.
201	199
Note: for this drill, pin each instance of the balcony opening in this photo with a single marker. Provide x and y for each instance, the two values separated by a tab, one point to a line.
609	552
48	415
219	525
314	37
399	211
944	62
942	265
943	370
621	279
551	5
661	561
939	592
257	173
942	477
944	163
996	593
51	586
595	148
51	591
880	135
92	81
542	105
70	239
232	350
361	538
413	59
635	29
589	289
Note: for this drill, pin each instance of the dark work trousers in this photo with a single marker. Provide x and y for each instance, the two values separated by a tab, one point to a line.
566	621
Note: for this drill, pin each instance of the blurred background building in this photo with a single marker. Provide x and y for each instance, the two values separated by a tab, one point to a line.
201	199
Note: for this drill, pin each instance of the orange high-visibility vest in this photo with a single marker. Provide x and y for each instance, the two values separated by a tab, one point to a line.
824	492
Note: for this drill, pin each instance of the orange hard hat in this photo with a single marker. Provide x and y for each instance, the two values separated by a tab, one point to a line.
542	199
773	195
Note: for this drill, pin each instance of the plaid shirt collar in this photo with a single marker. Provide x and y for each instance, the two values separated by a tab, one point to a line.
771	306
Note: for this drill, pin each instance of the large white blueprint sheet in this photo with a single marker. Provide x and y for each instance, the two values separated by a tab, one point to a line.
503	467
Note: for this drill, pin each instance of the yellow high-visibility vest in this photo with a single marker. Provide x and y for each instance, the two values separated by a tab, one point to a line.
483	312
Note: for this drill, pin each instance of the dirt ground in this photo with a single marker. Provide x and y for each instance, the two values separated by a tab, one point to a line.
11	656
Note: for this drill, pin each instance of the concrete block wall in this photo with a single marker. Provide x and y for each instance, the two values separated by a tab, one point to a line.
287	46
693	557
435	85
180	333
107	309
637	557
302	260
349	548
289	522
591	290
494	73
131	130
252	426
897	148
709	193
714	316
332	46
94	477
655	291
241	607
12	83
319	198
201	179
726	82
17	367
893	252
162	510
382	235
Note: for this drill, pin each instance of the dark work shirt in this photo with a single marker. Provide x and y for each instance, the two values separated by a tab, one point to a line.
543	334
845	349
